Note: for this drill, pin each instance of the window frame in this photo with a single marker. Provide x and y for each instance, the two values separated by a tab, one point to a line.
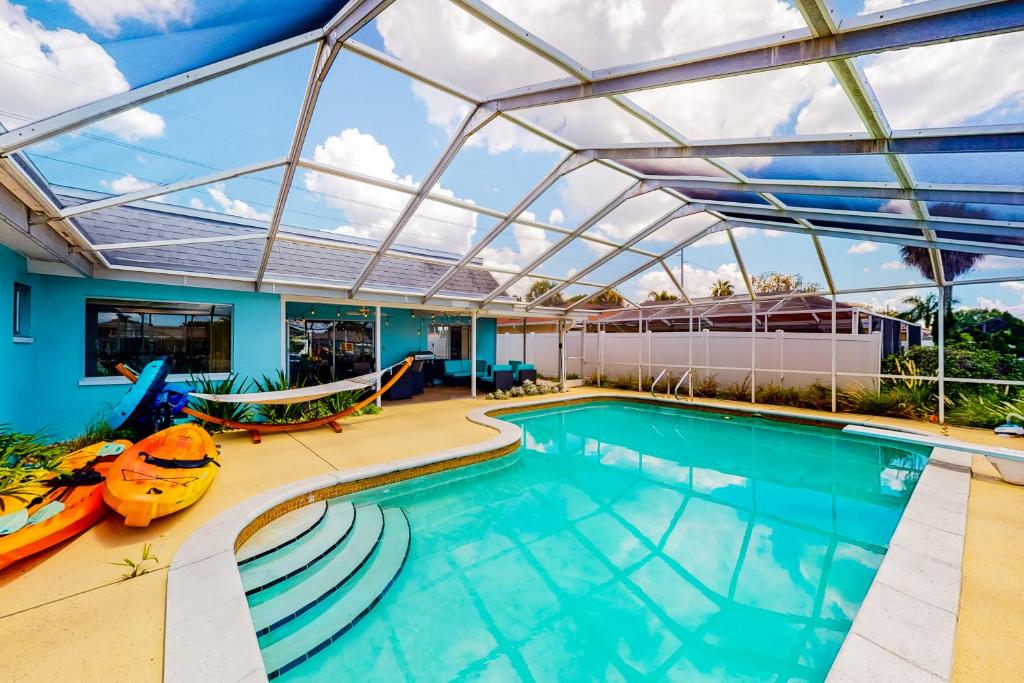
130	303
21	326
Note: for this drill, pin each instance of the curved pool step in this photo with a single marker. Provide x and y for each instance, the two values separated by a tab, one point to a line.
325	577
332	618
282	532
289	560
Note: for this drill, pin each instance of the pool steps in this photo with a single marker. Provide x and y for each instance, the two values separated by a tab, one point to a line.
284	531
321	579
290	559
342	571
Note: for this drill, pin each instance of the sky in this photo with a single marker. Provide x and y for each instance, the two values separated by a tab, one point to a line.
58	54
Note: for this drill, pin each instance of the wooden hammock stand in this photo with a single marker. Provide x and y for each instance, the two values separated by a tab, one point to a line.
257	429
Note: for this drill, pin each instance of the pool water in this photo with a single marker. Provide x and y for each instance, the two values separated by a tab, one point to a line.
625	541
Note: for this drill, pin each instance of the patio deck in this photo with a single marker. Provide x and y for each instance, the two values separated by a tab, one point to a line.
69	605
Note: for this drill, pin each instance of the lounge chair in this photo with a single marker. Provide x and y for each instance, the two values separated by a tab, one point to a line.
497	378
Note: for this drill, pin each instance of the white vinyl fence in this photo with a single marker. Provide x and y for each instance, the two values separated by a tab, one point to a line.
793	359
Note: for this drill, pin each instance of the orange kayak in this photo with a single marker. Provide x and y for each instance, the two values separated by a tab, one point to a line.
59	512
161	474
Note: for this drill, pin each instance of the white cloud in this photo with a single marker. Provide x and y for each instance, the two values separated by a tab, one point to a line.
371	211
46	72
556	217
442	40
938	85
1016	309
697	281
232	207
1018	286
1000	263
893	265
106	15
127	183
862	248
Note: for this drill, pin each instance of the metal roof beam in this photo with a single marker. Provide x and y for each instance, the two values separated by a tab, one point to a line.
566	166
158	190
721	225
65	122
677	212
959	194
476	119
961	140
634	190
895	29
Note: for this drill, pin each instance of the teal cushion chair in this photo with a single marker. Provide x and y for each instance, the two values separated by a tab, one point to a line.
456	372
526	371
497	377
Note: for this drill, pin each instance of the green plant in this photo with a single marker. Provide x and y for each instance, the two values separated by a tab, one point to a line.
235	412
280	414
95	431
737	391
571	375
985	410
706	387
25	460
137	568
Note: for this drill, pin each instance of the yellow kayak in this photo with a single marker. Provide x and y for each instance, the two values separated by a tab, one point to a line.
161	474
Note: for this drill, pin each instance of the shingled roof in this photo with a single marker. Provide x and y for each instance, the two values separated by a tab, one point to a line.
324	263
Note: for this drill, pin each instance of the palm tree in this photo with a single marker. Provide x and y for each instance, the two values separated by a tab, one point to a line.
541	287
722	288
609	297
663	295
954	263
924	309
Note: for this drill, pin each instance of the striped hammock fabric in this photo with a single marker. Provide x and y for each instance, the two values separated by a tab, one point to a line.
300	395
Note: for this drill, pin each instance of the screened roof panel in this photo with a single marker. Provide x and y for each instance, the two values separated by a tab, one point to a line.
62	55
780	102
675	167
860	168
601	38
439	38
499	175
215	126
982	169
819	201
250	196
392	134
633	216
676	231
593	122
905	83
577	195
857	264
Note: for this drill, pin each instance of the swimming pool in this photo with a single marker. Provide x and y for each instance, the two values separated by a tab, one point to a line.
621	541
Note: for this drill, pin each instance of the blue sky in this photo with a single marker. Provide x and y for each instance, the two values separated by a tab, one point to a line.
377	122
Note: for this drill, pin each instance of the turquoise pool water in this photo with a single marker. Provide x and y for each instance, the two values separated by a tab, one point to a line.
628	542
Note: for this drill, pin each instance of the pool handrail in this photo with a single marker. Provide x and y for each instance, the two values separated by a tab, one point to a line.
675	392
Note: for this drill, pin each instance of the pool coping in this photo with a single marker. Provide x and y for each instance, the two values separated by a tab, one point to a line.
209	633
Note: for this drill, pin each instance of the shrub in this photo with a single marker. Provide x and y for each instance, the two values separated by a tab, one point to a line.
236	412
706	387
737	391
987	410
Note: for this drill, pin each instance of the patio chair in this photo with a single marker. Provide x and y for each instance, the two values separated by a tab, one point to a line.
525	371
497	378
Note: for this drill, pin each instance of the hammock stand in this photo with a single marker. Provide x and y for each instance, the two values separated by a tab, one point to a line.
257	429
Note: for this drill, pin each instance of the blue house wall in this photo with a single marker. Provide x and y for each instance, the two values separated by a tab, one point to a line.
43	385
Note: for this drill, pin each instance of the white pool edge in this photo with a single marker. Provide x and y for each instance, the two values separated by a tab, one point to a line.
209	634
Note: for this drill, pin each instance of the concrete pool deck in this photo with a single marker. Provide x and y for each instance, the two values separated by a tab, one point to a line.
62	611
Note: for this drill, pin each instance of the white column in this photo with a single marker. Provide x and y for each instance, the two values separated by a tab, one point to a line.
561	353
834	402
472	354
583	351
377	331
639	350
600	353
284	338
689	350
782	357
941	343
753	351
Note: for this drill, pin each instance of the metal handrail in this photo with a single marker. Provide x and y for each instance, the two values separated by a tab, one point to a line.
657	379
675	392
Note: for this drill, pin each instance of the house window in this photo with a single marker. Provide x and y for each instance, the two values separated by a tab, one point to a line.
196	338
22	309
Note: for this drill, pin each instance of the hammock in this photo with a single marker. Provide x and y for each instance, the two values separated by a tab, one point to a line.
300	395
256	429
